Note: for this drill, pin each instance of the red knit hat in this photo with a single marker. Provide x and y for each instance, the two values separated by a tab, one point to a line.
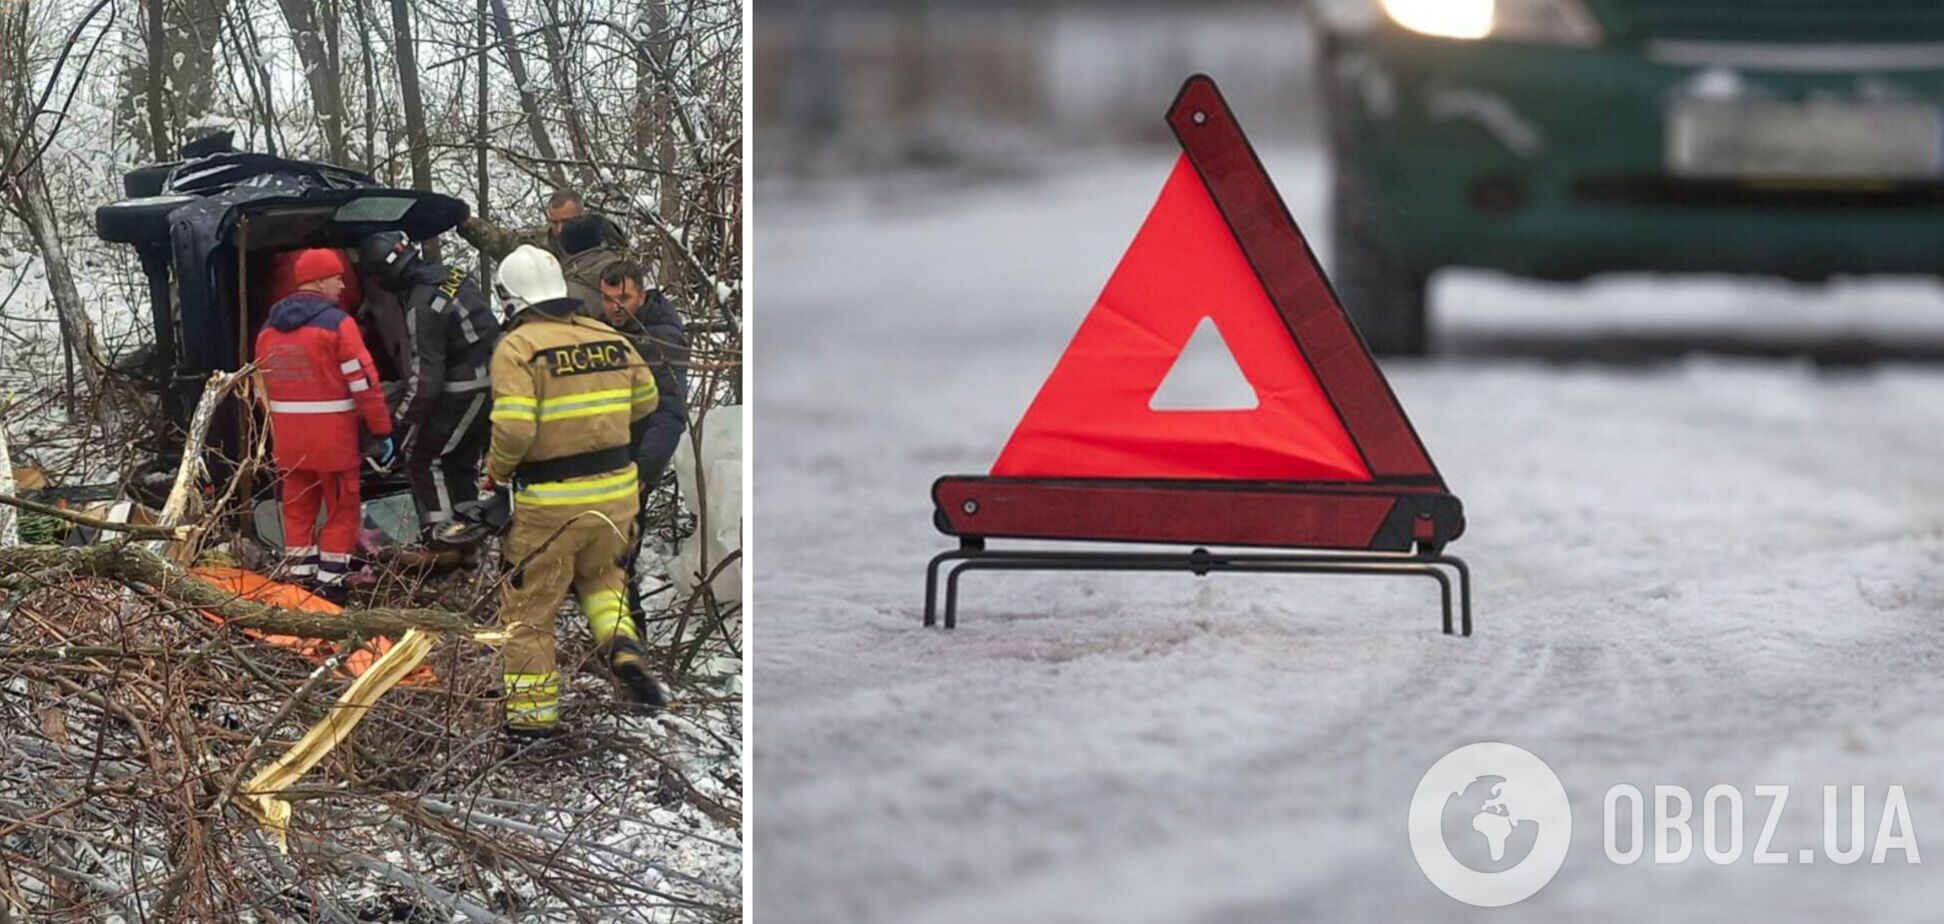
315	264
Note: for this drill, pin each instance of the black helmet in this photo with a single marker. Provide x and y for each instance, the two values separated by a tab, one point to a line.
387	256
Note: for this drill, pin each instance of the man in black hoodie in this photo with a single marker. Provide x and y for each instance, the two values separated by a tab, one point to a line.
447	396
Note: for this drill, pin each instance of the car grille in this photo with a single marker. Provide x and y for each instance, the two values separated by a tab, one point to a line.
1788	20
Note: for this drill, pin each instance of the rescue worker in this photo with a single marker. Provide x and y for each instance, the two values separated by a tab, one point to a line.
382	320
567	392
326	411
562	206
588	260
650	322
441	413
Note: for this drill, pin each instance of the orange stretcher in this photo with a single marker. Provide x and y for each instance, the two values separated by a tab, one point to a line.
256	588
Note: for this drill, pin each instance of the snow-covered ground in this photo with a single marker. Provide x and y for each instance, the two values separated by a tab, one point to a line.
1723	567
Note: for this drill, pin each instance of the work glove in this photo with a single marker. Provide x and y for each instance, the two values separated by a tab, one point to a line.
382	453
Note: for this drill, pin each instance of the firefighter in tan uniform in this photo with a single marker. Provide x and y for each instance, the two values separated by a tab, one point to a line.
569	393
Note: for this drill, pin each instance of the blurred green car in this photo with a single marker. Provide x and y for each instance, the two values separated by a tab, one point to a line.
1557	139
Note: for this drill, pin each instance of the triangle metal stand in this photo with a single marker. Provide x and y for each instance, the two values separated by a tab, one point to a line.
972	555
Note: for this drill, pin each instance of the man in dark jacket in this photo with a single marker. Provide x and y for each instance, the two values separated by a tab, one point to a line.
650	321
443	407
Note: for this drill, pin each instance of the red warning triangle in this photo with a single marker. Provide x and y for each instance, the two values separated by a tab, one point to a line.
1218	244
1311	451
1092	417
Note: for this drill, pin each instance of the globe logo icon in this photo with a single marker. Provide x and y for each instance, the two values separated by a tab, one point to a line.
1482	828
1490	824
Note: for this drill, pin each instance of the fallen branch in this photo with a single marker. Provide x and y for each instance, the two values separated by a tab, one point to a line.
78	653
191	469
136	566
559	838
274	813
9	521
171	533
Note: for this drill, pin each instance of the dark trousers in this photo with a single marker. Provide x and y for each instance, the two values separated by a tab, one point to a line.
442	455
658	442
652	455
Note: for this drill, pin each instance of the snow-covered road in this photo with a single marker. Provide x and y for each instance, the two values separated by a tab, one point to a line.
1725	568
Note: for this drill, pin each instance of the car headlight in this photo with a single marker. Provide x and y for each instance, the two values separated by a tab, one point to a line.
1557	22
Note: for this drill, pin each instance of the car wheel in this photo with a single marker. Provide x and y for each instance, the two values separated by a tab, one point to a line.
146	181
1385	297
138	221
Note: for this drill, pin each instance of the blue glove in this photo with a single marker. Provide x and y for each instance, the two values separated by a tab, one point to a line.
383	453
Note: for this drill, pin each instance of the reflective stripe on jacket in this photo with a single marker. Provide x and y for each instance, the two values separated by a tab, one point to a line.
451	327
320	384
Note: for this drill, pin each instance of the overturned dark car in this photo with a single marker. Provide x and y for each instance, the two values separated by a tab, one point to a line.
214	231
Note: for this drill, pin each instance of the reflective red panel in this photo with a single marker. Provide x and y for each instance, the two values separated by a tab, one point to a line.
1091	418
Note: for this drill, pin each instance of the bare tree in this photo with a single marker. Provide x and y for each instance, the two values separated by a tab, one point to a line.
404	48
175	83
160	139
529	101
24	188
26	195
659	43
563	78
316	48
128	716
362	10
246	49
481	143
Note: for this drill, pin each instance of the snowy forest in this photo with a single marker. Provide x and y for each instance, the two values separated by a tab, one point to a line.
186	736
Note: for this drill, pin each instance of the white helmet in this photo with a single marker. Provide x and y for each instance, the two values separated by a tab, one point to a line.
528	275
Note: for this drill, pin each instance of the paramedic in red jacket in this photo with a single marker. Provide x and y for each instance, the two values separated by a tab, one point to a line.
325	409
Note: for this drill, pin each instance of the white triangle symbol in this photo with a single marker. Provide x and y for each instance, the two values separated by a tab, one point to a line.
1204	377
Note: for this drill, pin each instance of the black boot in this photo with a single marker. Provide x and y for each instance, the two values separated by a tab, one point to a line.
531	740
336	592
630	666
